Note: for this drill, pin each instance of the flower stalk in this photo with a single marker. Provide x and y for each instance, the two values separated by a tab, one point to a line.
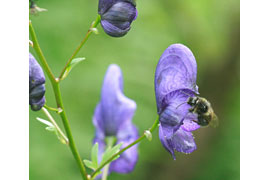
89	32
126	148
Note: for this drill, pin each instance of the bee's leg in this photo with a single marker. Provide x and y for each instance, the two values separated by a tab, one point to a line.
180	105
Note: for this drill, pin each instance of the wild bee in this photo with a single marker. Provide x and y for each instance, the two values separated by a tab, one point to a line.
203	109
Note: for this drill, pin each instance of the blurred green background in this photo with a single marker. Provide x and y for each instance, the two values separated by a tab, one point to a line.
210	28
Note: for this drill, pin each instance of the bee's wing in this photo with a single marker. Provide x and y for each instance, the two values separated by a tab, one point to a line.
214	122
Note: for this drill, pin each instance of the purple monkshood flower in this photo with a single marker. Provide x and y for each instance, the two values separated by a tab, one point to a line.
113	116
175	82
36	84
117	16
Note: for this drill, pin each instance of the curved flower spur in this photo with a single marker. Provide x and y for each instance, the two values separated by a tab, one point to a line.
113	118
180	109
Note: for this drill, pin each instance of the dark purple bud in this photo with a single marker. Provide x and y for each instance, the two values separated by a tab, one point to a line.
113	117
175	82
117	16
36	84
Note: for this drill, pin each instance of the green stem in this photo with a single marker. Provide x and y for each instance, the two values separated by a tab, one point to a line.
58	97
89	32
68	131
126	148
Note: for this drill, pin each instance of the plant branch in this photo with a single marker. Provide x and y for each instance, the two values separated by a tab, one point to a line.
89	32
59	102
126	148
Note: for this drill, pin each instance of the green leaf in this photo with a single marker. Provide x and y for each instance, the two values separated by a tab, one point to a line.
116	148
72	64
116	157
105	155
45	122
110	152
89	164
94	155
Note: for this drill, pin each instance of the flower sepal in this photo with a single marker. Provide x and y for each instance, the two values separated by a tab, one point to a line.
175	83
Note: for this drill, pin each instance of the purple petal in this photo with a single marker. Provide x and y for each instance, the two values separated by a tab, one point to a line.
176	113
120	11
126	162
127	134
189	124
98	123
167	143
37	92
183	141
36	75
114	108
176	69
176	103
36	84
113	30
104	5
174	119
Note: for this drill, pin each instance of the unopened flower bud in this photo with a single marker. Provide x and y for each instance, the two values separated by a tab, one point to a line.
36	84
117	16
